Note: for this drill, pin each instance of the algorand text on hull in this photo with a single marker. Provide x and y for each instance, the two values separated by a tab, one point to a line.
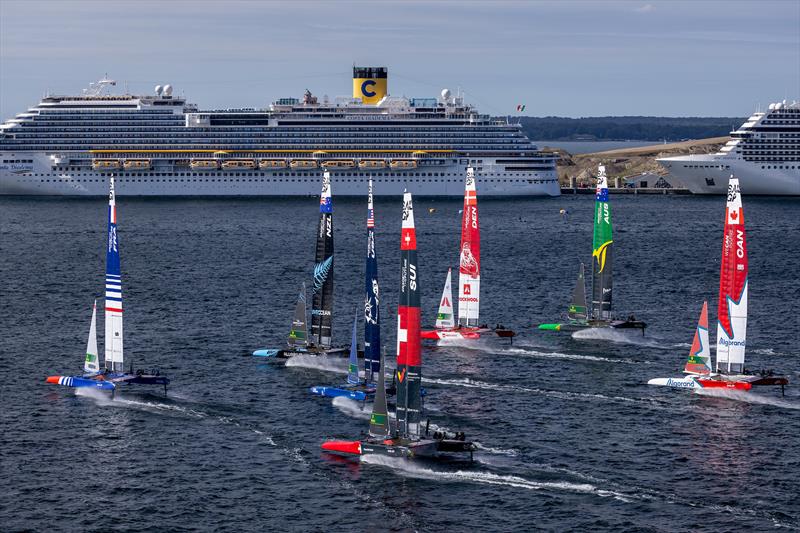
160	145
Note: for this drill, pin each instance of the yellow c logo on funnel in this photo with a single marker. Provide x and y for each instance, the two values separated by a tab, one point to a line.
600	254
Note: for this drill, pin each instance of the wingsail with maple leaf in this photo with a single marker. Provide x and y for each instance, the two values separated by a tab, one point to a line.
599	315
730	372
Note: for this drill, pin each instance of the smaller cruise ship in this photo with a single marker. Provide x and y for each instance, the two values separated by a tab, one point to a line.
764	154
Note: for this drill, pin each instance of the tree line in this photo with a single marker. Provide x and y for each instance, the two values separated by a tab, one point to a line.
627	128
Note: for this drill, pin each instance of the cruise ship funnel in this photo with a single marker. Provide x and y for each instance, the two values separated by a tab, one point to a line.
369	84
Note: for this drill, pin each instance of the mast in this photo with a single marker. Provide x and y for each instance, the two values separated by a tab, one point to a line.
298	336
732	311
322	302
409	359
577	308
379	421
352	366
469	276
91	364
444	318
113	297
372	326
601	251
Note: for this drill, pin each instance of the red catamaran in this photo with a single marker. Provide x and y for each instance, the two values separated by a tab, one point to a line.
469	279
730	372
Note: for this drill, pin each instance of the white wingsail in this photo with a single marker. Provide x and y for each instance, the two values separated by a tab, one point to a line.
91	364
732	311
469	271
444	318
114	358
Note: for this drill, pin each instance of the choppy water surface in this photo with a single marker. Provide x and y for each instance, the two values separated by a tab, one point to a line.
571	436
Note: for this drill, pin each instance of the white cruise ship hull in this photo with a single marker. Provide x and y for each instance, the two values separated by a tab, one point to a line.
38	178
708	174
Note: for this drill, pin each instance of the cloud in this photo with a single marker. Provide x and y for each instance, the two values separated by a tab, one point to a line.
647	8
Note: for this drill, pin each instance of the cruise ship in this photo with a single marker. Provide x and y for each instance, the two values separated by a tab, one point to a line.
161	145
764	153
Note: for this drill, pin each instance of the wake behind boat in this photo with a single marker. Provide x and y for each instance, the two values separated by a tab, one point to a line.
730	372
469	280
113	373
405	439
319	342
602	261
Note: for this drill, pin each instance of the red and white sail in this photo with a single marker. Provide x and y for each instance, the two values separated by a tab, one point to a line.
699	361
409	357
732	312
469	270
444	318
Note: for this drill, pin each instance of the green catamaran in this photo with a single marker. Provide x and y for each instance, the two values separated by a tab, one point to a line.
602	260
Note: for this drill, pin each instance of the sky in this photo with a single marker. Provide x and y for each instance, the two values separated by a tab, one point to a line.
563	58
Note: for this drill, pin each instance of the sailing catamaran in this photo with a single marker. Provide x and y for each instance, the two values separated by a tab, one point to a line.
355	388
406	439
113	373
602	260
319	342
297	341
469	278
730	372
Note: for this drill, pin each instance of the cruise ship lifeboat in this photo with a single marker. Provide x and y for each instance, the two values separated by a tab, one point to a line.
338	163
272	163
303	163
204	164
136	164
239	164
105	164
403	163
372	163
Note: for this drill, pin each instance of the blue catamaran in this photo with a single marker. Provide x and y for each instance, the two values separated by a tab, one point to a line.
356	388
113	373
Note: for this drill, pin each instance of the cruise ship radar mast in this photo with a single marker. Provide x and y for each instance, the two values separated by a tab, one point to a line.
97	88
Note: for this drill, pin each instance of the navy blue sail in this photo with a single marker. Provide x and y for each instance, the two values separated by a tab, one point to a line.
372	326
322	302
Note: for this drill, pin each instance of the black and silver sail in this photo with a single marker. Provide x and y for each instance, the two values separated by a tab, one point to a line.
322	302
577	307
298	335
379	421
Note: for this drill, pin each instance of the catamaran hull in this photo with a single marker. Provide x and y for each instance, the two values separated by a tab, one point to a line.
286	353
700	383
615	324
465	333
337	392
426	448
563	327
81	382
